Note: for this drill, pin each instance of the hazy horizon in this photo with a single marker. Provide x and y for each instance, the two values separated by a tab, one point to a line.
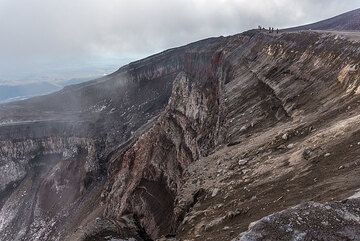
51	40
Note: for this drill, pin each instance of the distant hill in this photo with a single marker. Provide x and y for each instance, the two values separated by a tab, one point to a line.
10	92
349	21
16	92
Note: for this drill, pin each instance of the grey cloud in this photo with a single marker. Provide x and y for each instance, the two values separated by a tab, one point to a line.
36	32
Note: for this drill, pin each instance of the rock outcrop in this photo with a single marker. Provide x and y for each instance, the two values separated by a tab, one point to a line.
150	171
310	221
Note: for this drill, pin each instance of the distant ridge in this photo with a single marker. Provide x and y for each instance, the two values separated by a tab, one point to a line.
349	21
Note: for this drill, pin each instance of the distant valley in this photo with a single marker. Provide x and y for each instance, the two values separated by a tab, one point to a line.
14	92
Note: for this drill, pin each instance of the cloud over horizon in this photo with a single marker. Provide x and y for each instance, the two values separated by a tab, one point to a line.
38	33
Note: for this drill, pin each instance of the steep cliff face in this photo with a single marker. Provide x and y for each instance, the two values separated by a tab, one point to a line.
288	101
61	156
41	180
196	142
17	155
290	108
254	101
150	171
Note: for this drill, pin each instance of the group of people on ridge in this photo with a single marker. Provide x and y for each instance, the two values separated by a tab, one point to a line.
271	30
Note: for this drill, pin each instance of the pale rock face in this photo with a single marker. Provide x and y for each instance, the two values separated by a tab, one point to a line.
310	221
160	155
16	155
10	173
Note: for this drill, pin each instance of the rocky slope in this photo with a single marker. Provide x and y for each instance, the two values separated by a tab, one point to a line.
310	221
349	21
297	149
194	143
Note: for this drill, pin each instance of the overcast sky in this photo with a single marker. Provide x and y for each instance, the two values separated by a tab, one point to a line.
59	36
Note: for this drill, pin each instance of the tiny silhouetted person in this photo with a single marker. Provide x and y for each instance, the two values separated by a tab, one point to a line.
277	30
